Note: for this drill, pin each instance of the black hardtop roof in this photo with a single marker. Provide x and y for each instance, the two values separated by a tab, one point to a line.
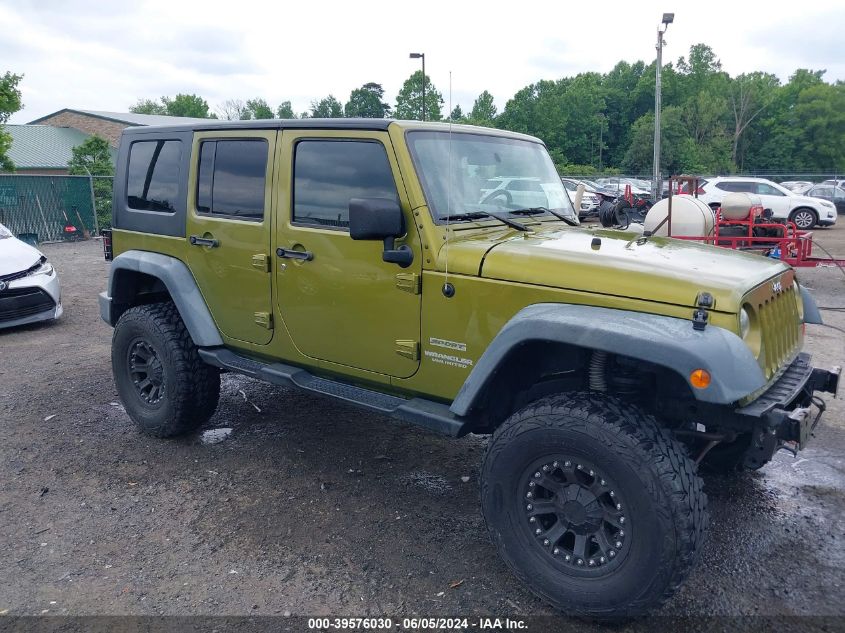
317	124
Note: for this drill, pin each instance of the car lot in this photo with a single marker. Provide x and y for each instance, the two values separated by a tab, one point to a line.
292	504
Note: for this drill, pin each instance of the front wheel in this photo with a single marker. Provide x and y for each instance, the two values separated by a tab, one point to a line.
804	219
593	505
165	386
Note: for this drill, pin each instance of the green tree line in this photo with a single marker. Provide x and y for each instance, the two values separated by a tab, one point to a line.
711	122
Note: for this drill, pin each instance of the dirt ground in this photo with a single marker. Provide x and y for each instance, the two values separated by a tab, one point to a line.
298	505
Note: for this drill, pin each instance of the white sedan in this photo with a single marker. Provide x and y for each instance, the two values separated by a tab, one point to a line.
29	286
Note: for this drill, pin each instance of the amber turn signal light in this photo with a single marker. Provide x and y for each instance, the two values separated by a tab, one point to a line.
700	378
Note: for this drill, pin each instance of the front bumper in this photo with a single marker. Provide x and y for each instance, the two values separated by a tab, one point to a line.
31	299
787	413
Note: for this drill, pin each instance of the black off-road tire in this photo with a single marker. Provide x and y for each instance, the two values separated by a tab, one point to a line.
190	388
652	478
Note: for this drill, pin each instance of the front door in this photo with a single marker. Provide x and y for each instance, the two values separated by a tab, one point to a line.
230	202
339	301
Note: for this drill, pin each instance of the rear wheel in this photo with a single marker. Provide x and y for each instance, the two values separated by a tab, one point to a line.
804	219
593	505
165	386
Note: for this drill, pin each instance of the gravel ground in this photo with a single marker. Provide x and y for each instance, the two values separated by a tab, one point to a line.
293	504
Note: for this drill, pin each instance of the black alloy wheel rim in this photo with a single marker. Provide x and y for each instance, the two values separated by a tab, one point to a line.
575	516
146	372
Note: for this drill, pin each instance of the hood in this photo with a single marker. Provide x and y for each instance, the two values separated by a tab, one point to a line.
797	200
658	269
16	256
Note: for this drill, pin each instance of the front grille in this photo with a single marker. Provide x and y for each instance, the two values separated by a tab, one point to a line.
18	303
780	327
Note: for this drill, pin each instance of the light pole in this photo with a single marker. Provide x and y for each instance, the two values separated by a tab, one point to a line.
422	57
656	184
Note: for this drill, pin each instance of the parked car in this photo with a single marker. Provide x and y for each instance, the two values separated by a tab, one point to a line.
831	193
804	211
604	194
836	182
617	185
29	285
590	201
797	186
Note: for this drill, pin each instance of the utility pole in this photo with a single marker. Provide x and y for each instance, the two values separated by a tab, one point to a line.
656	184
421	56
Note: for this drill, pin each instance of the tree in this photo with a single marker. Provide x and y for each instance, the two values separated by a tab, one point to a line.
188	106
234	110
285	111
409	100
750	94
148	106
366	102
10	102
457	114
327	108
259	109
181	105
93	158
483	110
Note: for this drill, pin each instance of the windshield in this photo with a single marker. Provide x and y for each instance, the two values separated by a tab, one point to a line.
477	172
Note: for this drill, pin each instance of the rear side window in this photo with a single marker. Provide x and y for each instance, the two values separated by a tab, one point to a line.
328	173
735	186
153	178
231	178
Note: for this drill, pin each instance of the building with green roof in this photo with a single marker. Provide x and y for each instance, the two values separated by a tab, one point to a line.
44	149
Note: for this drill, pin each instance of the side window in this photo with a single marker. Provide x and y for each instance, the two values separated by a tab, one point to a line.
767	190
231	178
728	186
153	175
326	174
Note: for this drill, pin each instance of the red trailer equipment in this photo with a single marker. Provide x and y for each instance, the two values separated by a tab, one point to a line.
754	232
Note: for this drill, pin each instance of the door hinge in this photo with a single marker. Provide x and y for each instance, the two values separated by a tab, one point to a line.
408	349
264	319
261	262
409	282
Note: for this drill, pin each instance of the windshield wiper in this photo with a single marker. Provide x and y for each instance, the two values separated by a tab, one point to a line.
538	210
480	215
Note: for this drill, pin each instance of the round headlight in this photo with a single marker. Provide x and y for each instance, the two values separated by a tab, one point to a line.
744	323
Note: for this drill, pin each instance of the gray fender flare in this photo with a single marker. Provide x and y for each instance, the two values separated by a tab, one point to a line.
665	341
811	309
179	282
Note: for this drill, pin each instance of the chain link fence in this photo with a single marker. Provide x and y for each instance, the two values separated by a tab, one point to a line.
55	208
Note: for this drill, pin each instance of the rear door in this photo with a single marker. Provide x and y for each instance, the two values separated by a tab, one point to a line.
230	198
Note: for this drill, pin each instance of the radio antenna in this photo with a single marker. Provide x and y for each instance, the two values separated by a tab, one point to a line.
448	289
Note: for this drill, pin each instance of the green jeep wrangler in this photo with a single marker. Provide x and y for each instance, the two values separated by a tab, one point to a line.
439	275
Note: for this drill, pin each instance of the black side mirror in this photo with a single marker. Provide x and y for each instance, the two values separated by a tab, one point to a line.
380	219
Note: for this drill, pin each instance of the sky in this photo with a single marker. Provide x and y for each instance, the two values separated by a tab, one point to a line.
94	55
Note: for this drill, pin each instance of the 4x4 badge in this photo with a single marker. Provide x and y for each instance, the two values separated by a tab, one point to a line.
776	286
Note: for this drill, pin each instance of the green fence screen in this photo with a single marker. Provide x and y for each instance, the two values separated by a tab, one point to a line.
47	208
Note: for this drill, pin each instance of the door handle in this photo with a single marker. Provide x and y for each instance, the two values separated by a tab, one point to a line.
203	241
306	256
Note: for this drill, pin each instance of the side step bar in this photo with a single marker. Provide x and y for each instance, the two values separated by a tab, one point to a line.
426	413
